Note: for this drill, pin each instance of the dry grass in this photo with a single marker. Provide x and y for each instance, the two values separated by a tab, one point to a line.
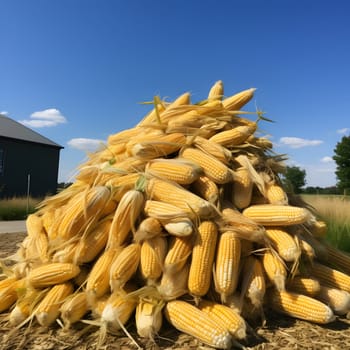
17	208
335	210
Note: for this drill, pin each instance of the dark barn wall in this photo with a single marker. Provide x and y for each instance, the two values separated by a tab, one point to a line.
22	158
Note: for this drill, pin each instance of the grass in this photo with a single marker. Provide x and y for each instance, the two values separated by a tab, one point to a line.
335	211
17	208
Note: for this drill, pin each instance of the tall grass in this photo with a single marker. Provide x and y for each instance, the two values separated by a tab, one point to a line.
335	211
17	208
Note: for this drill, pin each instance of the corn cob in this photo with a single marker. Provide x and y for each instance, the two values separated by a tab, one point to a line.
82	210
277	215
275	269
173	284
178	170
226	317
242	188
163	211
330	277
338	300
203	252
227	264
189	319
179	250
125	217
253	281
275	194
97	283
216	91
74	308
52	273
124	266
233	137
207	189
300	306
283	243
34	225
176	195
149	317
237	101
180	227
148	228
212	167
48	309
212	148
337	258
153	253
304	285
8	294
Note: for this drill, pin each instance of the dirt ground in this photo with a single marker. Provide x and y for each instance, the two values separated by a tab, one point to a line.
280	332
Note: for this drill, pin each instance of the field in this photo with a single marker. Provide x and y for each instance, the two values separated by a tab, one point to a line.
17	208
279	332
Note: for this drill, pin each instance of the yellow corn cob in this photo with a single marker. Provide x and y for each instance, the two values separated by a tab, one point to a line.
129	165
92	243
244	228
124	219
318	228
206	188
162	146
190	320
97	283
275	194
300	306
124	266
123	136
277	215
153	253
253	281
82	210
227	264
189	119
338	300
283	243
180	227
173	284
242	188
304	285
99	305
37	247
226	317
8	294
64	253
233	137
48	309
178	170
275	269
203	253
148	228
216	91
74	308
27	299
212	167
163	211
34	225
174	194
120	183
179	250
237	101
118	309
330	277
219	152
52	273
149	317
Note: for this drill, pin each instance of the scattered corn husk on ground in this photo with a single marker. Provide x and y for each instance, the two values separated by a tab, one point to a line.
180	221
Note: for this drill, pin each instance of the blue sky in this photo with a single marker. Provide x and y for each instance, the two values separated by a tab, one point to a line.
76	70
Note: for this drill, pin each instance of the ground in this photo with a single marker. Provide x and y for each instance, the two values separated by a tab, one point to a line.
280	332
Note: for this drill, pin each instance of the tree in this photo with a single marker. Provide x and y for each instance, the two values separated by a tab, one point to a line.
342	159
294	179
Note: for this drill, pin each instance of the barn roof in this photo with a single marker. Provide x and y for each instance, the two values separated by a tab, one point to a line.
9	128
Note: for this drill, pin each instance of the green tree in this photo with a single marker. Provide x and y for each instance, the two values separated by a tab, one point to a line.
294	179
342	159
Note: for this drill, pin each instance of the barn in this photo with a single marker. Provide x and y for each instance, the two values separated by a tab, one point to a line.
28	161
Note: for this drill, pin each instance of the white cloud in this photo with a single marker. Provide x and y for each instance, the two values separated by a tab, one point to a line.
296	142
343	131
5	113
46	118
327	159
84	144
